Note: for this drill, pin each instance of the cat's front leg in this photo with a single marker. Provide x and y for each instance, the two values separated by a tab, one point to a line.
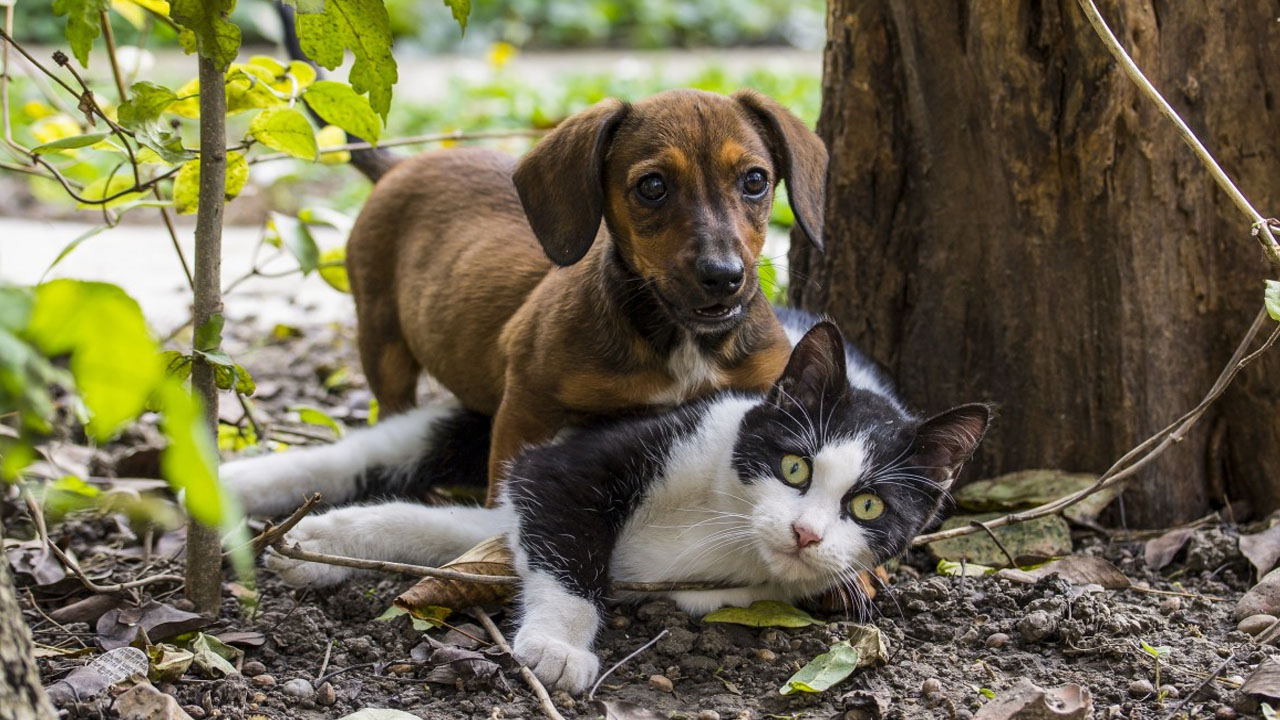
557	628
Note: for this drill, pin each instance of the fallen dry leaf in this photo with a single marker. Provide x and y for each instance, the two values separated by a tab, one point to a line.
449	663
622	710
1039	538
872	648
35	561
1262	549
1026	701
87	610
490	557
1075	569
1265	680
1029	488
1160	551
117	628
144	702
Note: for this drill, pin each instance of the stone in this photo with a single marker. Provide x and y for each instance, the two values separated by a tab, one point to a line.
1036	626
145	702
995	640
1255	624
263	680
1263	599
1169	692
252	668
325	695
1141	689
766	655
661	683
298	688
931	686
1170	605
708	715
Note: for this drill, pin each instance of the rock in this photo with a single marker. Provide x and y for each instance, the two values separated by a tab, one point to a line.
1026	701
325	695
661	683
708	715
263	680
1170	605
1037	626
931	686
1255	624
400	669
298	688
1225	713
194	711
766	655
619	622
144	702
1169	692
1263	599
1141	689
252	668
995	640
677	641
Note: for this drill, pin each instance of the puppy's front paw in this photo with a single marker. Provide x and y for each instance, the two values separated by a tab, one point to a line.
313	534
556	662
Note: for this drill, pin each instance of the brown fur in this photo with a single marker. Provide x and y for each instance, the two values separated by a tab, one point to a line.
500	280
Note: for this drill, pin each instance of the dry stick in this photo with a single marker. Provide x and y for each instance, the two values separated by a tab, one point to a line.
1260	224
111	53
544	699
416	140
1121	470
591	696
273	534
995	539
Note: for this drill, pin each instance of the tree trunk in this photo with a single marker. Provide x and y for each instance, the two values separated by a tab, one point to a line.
1011	220
21	694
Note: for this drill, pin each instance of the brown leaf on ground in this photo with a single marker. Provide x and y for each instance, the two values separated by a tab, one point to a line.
1026	701
1160	551
1075	569
621	710
117	628
144	702
1262	549
87	610
1265	681
1029	488
490	557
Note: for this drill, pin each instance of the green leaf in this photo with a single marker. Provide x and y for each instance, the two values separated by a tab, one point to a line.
316	416
208	336
968	569
461	9
70	143
286	130
1160	651
327	217
333	268
186	186
823	671
215	657
112	186
249	88
298	239
362	26
763	613
339	105
424	618
768	273
189	461
306	6
177	365
84	24
114	360
987	693
147	101
210	33
1272	299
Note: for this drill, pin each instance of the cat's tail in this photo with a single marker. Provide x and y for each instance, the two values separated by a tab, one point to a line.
400	457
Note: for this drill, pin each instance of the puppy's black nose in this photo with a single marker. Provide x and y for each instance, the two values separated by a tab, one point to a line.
720	278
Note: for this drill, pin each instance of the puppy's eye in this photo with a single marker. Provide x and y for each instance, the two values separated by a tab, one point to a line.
755	183
795	470
866	506
652	188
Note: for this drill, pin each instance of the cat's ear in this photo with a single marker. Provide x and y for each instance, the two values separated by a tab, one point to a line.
945	441
816	371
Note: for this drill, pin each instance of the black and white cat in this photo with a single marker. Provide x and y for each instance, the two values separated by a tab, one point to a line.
782	496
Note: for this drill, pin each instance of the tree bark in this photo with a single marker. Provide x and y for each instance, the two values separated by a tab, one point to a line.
1009	219
22	696
204	551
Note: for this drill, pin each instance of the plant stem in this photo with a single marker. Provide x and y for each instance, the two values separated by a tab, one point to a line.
204	557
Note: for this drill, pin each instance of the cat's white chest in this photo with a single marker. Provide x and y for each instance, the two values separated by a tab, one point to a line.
692	373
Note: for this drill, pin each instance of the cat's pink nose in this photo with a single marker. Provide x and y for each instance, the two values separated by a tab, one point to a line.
804	536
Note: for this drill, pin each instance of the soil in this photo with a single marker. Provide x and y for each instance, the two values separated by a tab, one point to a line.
953	642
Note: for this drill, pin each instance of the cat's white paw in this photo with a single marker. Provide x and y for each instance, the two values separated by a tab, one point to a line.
556	662
314	534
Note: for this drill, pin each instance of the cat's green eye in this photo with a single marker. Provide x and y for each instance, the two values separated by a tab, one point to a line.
795	470
866	506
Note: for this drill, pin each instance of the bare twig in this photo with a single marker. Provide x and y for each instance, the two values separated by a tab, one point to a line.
1261	228
1217	671
273	534
324	664
110	36
592	694
457	135
992	534
544	698
1134	460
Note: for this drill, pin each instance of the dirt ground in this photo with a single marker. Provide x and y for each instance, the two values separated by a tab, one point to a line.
953	642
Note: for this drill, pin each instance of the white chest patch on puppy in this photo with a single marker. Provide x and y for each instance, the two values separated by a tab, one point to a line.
692	373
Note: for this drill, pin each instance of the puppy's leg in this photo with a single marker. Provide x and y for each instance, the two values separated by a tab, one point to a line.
277	482
395	532
522	420
388	363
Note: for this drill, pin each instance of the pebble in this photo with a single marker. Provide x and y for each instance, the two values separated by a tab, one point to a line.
708	715
1036	626
194	711
1170	692
1170	605
619	622
263	680
995	640
563	699
1255	624
325	694
1264	598
298	688
661	683
258	698
1225	713
1140	689
931	686
766	654
400	669
253	667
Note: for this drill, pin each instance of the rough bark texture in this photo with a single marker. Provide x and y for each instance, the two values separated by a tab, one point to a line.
204	552
1009	219
21	694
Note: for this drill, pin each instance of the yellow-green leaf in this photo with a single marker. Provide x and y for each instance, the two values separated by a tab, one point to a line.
212	35
316	416
186	186
362	26
286	130
339	105
823	671
333	268
763	613
70	143
83	24
332	136
249	88
189	461
1272	299
114	187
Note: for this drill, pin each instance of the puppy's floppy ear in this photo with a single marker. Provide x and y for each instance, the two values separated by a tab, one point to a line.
800	156
561	181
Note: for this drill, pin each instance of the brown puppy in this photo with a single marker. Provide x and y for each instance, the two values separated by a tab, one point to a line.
500	280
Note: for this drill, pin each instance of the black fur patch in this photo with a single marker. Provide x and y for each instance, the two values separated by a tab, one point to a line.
457	453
